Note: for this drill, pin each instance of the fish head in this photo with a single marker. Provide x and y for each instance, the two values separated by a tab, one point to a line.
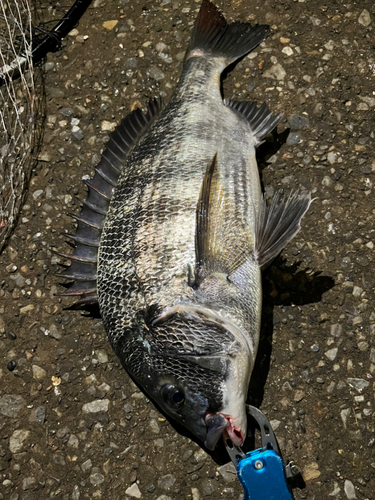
198	373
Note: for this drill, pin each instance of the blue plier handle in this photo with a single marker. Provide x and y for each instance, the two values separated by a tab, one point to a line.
262	472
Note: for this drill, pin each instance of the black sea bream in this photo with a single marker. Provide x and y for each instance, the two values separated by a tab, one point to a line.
174	234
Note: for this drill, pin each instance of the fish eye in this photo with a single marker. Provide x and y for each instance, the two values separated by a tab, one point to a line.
172	395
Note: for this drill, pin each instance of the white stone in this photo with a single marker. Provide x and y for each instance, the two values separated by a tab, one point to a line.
102	356
73	441
37	193
336	490
357	290
154	426
349	490
107	126
327	181
331	353
38	372
365	20
200	456
358	383
344	415
277	72
336	330
370	101
96	406
160	47
133	491
275	424
362	106
331	157
195	494
287	51
17	439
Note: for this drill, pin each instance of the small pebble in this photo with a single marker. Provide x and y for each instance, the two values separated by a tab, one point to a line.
297	122
365	18
10	405
276	72
38	372
358	383
11	365
349	490
96	478
344	415
166	482
228	472
108	126
66	112
77	133
156	73
86	465
288	51
102	356
331	353
17	439
293	139
133	491
311	471
109	25
100	405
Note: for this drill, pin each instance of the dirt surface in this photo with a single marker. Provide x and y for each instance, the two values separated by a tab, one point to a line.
73	425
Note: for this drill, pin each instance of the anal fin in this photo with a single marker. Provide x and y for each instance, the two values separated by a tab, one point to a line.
261	120
277	224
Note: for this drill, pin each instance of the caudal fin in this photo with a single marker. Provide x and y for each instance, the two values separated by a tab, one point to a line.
213	36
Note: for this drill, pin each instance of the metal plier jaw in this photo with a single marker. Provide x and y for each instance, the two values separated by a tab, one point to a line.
262	472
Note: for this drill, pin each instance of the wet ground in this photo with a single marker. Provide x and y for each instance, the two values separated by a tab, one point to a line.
73	425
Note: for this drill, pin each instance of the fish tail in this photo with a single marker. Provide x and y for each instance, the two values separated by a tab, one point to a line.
212	36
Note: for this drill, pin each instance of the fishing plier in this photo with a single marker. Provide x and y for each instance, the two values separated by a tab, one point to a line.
262	472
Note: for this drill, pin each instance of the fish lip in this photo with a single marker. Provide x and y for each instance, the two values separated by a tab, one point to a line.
221	425
216	424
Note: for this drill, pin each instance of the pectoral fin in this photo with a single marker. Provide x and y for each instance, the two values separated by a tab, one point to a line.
277	224
223	241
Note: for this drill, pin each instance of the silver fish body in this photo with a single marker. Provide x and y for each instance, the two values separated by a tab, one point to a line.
185	237
148	248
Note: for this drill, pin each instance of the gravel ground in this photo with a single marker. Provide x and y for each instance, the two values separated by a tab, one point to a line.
73	425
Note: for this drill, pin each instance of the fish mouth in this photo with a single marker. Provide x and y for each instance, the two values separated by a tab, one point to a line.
216	425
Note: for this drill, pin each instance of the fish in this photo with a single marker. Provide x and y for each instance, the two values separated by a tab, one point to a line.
174	235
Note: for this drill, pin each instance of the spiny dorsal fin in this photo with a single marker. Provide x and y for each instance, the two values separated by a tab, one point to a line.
100	191
261	120
223	241
277	224
213	36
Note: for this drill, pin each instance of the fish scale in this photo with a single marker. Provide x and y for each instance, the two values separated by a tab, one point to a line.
183	233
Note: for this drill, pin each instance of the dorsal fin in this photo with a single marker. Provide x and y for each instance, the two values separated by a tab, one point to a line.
223	241
100	191
261	120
